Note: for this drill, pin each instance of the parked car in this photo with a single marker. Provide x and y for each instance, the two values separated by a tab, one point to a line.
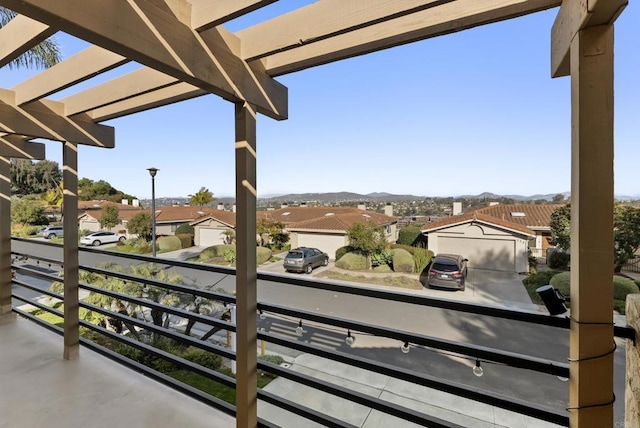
448	271
102	237
52	232
304	259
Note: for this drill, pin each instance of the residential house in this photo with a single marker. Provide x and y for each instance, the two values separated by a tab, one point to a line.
497	237
326	228
211	229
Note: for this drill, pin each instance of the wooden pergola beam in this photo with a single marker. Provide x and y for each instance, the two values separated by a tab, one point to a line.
78	68
21	34
430	22
45	119
15	147
576	15
207	14
152	36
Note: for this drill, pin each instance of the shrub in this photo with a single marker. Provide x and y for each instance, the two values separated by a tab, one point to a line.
409	248
169	243
623	286
541	278
421	259
382	269
272	358
230	256
185	228
408	234
215	251
186	239
561	281
558	260
382	258
203	358
353	260
263	255
30	231
342	251
402	260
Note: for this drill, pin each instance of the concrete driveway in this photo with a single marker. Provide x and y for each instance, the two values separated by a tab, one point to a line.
499	289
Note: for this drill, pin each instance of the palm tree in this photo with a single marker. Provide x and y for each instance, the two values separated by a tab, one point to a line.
44	55
202	197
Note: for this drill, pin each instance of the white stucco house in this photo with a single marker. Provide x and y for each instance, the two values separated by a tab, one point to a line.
498	237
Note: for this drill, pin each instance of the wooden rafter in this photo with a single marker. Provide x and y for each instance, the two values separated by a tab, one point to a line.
19	35
207	14
15	147
154	37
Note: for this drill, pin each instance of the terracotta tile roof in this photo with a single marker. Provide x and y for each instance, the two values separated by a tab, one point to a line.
293	216
170	214
341	221
527	218
535	215
226	217
122	214
98	205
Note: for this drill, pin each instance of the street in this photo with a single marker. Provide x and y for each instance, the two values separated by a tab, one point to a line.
535	340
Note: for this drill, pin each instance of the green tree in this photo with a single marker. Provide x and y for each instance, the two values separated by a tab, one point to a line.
559	198
43	55
367	238
202	197
28	211
271	232
561	227
55	197
626	231
408	234
110	216
141	225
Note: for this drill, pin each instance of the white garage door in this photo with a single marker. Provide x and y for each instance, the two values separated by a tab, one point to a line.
494	254
327	243
209	237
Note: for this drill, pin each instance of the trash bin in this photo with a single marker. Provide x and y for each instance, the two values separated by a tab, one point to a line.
552	299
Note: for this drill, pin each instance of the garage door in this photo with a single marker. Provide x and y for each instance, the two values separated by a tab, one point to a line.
494	254
209	237
327	243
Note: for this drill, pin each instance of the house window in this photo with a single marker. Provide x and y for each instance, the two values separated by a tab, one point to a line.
518	214
388	228
174	227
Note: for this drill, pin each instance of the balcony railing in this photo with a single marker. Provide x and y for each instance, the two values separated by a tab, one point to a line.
515	372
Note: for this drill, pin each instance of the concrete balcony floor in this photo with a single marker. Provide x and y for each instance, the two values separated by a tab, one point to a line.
38	388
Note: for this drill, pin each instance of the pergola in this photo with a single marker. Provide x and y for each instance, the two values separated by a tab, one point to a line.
187	52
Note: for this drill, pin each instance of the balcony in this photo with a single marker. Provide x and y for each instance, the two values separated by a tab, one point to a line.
325	382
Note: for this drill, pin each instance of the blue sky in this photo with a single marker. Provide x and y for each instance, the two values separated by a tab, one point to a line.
461	114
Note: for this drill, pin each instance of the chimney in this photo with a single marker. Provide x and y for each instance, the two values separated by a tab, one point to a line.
493	204
125	202
457	208
362	207
221	207
388	210
233	208
135	202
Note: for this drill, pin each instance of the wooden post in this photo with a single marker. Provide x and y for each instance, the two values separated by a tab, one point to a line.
632	387
70	260
5	241
591	337
246	269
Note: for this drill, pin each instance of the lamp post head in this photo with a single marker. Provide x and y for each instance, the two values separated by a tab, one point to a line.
152	171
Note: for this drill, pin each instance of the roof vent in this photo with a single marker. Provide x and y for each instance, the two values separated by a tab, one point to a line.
366	215
287	213
329	214
518	214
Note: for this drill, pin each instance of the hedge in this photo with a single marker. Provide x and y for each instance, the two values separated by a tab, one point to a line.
353	260
402	260
169	243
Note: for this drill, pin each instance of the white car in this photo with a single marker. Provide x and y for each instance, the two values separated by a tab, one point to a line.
99	238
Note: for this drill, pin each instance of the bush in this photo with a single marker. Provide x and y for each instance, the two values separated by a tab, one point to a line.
558	260
408	234
342	251
169	243
263	255
561	281
273	359
541	278
402	261
30	231
382	269
383	258
623	286
203	358
353	260
185	228
215	251
421	259
409	248
186	239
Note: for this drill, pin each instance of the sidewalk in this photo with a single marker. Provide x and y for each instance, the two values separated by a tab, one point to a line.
429	401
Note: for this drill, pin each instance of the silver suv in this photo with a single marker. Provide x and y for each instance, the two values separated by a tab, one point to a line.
304	259
52	232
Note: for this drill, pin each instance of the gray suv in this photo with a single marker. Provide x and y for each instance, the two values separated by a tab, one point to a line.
52	232
448	271
304	259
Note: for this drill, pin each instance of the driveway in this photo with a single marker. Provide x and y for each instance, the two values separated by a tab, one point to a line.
499	289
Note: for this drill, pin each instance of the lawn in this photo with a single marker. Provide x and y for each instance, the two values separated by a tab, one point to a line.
391	280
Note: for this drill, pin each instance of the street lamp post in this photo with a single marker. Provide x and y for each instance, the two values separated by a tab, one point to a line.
152	173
